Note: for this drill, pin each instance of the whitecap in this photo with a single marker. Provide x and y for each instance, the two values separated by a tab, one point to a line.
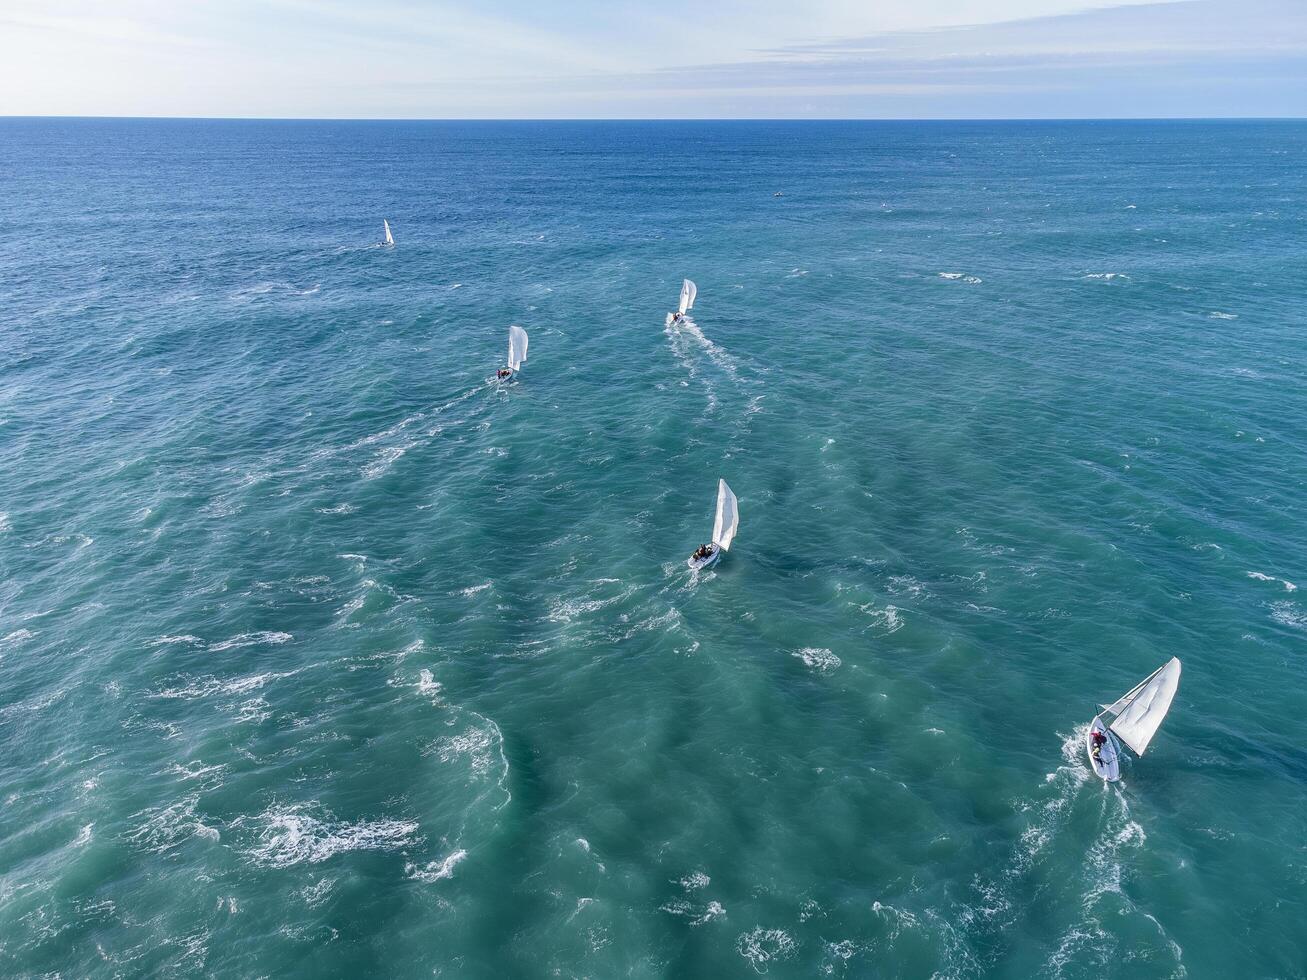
436	870
261	638
1263	577
15	638
166	640
338	509
427	684
290	835
1288	614
1223	316
165	827
763	946
818	658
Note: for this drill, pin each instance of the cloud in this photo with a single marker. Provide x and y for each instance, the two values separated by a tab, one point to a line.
594	58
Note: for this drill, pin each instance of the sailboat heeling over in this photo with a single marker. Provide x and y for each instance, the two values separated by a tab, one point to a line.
728	517
1139	712
688	292
389	238
516	347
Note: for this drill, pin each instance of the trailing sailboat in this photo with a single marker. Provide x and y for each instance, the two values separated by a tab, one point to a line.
1133	719
688	291
390	239
723	531
517	341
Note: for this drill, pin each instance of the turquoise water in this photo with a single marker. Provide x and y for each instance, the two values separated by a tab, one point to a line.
322	656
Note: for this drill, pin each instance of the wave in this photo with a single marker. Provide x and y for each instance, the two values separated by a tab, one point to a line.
961	277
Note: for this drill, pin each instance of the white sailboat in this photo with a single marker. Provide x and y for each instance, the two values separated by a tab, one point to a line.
723	530
1133	719
517	341
688	291
390	239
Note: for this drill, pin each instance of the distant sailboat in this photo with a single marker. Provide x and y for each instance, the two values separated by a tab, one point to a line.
723	531
1134	719
517	341
390	239
688	292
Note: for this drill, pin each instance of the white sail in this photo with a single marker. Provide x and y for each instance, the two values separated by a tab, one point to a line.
516	347
728	517
688	292
1139	712
390	240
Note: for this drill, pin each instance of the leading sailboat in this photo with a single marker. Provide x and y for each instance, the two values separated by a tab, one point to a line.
723	530
390	239
688	292
1133	719
517	340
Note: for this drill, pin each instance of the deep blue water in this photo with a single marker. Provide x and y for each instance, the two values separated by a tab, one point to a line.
320	655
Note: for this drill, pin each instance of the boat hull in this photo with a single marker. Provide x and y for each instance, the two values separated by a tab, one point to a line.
1108	764
698	564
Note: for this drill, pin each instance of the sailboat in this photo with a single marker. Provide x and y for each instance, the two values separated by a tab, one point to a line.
390	239
723	529
517	341
1133	719
688	291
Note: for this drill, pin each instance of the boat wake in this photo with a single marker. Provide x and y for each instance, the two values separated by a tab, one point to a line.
1093	917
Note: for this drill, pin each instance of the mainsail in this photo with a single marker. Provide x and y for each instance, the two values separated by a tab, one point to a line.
728	517
516	347
688	292
1139	712
389	238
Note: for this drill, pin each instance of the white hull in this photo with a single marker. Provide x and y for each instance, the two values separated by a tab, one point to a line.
698	564
1108	764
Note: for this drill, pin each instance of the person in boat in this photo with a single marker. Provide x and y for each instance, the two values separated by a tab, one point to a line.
678	317
1096	741
704	551
503	373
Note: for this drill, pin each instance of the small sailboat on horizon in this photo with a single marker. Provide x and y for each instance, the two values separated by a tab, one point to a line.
723	531
1134	720
517	341
389	239
688	292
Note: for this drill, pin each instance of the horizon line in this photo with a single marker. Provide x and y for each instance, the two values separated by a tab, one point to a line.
666	119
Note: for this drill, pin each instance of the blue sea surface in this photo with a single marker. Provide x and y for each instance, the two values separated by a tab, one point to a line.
321	654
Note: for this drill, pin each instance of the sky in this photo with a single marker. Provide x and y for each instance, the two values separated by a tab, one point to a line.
525	59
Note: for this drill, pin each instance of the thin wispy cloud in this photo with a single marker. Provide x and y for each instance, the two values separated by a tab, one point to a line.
510	58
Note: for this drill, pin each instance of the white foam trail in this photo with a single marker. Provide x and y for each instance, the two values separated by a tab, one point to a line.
961	277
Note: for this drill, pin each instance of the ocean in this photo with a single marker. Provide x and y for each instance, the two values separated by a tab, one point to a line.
321	654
